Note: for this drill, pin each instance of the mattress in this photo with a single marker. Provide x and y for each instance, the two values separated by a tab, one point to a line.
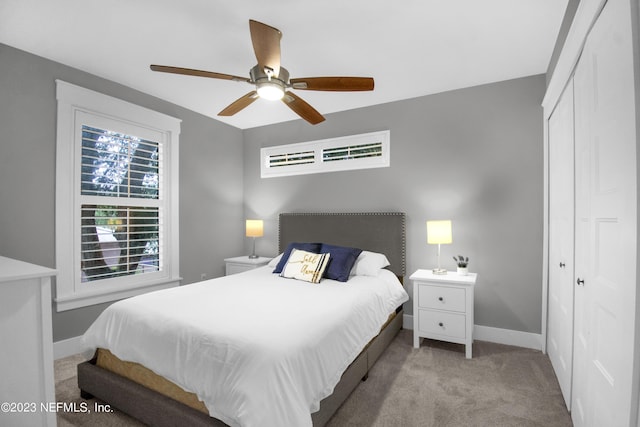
254	348
146	377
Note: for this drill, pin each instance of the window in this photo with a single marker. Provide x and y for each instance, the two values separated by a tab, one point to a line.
116	199
120	205
370	150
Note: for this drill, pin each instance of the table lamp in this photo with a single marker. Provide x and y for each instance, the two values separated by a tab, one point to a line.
254	228
439	232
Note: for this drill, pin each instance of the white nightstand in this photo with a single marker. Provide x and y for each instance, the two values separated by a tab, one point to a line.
243	263
443	307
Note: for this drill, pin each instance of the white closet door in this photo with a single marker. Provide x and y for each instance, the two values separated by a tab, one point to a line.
561	241
579	400
605	291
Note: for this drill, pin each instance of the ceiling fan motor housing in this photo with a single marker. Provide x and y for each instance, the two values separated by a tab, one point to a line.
267	83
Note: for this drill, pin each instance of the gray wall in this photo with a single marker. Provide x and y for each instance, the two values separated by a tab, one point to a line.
211	208
473	156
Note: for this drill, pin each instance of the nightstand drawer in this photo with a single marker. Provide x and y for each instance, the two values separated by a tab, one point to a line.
439	323
442	298
244	263
237	268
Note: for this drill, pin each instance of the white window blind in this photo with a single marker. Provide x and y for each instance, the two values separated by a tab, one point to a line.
119	165
118	236
119	240
289	159
370	150
352	152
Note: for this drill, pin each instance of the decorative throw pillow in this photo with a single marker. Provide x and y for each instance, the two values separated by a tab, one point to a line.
307	266
341	261
309	247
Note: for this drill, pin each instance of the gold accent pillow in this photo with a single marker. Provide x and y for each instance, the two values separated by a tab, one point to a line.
307	266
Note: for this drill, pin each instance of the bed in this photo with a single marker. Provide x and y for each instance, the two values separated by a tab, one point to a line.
139	384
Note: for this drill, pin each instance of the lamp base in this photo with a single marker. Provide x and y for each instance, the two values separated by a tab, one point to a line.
253	252
439	271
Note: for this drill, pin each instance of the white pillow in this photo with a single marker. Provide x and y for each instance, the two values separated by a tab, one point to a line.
275	261
369	264
307	266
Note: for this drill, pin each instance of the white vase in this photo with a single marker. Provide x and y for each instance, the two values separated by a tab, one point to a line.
463	271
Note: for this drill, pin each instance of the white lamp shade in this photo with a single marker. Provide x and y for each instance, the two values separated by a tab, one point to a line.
439	232
254	228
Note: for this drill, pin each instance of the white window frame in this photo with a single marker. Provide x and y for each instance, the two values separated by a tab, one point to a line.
76	106
319	165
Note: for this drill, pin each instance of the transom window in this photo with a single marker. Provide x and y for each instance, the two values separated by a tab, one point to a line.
369	150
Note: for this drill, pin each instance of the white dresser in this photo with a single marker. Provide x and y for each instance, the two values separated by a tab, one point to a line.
443	307
26	349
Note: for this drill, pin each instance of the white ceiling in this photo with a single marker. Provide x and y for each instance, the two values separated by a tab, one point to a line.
411	47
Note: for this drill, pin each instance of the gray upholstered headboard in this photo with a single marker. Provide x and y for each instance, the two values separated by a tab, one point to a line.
382	232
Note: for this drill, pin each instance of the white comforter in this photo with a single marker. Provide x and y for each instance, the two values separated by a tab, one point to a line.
257	349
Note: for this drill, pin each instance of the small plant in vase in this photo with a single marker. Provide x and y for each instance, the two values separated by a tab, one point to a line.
463	265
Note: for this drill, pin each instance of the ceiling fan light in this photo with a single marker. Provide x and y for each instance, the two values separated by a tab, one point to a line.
270	90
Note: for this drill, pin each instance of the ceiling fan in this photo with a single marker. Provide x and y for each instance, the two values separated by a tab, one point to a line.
272	80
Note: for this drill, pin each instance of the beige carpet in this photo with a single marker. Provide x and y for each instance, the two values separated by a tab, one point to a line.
431	386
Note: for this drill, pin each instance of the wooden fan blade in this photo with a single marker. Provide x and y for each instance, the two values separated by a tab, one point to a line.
266	45
302	108
239	104
337	84
197	73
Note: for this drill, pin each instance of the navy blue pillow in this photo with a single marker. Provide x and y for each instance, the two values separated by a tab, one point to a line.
341	261
309	247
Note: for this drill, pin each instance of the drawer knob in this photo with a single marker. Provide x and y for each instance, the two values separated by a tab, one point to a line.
440	299
441	324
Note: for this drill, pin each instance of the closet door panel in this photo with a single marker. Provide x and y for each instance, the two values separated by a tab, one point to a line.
580	385
561	241
605	294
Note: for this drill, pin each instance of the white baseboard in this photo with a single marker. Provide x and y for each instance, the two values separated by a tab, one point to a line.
508	336
407	321
68	347
497	335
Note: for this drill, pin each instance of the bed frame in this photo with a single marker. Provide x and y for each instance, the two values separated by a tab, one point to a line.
376	232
